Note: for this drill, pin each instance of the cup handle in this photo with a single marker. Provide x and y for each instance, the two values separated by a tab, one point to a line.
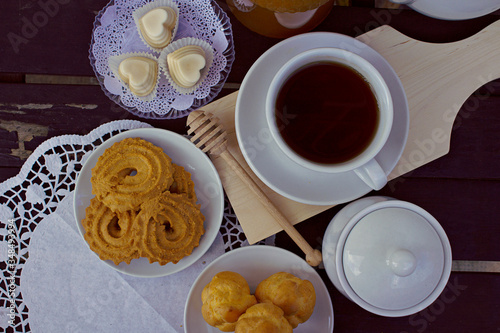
372	174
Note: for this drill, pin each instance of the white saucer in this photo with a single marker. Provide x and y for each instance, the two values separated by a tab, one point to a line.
256	263
455	10
208	189
267	160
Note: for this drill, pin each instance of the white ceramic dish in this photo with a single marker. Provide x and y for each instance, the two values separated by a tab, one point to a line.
390	257
454	10
208	189
268	161
255	263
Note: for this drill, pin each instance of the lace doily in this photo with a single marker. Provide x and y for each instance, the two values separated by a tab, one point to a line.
45	180
115	33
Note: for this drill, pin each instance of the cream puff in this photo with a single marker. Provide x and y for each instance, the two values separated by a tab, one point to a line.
225	298
296	297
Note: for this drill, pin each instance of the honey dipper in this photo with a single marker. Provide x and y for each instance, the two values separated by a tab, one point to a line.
210	137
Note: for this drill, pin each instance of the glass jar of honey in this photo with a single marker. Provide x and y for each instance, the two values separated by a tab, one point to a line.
280	18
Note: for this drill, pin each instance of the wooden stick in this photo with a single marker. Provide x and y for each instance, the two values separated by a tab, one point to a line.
211	138
313	257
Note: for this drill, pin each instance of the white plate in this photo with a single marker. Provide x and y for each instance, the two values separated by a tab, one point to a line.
267	160
455	9
255	263
208	189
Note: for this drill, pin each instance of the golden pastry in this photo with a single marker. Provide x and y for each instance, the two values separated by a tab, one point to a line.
263	318
130	172
110	234
140	74
183	183
170	227
225	298
296	297
157	25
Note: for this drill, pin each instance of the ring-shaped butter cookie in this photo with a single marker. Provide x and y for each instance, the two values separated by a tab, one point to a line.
170	227
110	234
131	172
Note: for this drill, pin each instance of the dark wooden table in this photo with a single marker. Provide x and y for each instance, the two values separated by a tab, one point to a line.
47	88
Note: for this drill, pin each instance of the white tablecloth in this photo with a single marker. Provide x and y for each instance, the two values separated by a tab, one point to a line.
52	281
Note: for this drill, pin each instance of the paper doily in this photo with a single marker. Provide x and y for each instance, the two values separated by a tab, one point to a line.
46	178
115	33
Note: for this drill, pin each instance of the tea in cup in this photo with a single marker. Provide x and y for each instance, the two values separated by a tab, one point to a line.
331	111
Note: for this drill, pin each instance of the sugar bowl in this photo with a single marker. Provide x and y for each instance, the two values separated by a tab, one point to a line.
390	257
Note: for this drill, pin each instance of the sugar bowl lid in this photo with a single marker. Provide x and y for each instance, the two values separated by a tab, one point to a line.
395	258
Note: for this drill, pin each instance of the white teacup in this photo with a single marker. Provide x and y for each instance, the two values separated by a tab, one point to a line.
364	163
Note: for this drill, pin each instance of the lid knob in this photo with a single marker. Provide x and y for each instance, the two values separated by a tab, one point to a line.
402	262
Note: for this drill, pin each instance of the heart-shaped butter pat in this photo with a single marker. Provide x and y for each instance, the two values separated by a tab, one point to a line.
140	73
185	65
157	26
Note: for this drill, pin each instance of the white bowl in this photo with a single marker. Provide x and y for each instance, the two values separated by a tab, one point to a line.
255	263
208	189
390	257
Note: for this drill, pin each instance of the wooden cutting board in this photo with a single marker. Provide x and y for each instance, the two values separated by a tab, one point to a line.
437	78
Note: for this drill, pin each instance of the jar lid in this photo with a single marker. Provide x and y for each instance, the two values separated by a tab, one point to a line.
396	258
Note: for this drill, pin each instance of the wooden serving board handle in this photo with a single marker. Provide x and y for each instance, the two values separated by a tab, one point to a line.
437	78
